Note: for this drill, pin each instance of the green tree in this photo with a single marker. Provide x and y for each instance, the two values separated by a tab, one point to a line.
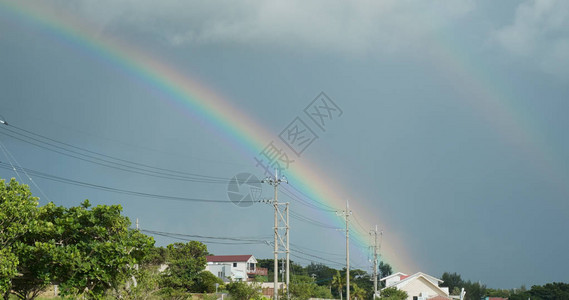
8	270
323	274
338	283
474	290
185	262
243	291
174	294
303	287
452	281
384	271
100	248
39	254
364	282
556	290
205	282
302	290
358	292
17	212
497	293
144	286
392	293
156	256
84	250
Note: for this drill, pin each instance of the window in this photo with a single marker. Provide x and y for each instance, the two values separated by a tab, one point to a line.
220	274
235	265
252	266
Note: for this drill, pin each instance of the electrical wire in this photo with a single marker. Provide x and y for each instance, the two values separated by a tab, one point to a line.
354	215
242	240
107	160
11	157
317	251
330	208
286	191
66	149
117	190
311	221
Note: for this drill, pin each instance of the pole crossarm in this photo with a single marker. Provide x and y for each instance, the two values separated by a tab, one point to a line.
281	224
376	248
346	214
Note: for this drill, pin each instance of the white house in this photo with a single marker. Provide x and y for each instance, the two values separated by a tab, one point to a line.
234	267
418	286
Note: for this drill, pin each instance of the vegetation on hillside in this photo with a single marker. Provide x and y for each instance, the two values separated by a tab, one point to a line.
93	253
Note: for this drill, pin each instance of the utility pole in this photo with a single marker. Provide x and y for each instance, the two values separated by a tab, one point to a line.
375	260
287	254
346	213
275	182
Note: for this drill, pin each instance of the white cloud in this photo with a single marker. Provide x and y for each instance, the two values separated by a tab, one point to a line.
540	33
353	27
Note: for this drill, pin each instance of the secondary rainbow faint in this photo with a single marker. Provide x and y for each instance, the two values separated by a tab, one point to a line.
203	104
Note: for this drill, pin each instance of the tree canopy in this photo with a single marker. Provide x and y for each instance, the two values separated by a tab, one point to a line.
17	215
82	249
392	293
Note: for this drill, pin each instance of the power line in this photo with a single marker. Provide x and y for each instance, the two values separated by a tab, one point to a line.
312	260
116	190
311	221
330	208
317	251
359	224
107	160
252	240
11	157
304	202
207	242
98	158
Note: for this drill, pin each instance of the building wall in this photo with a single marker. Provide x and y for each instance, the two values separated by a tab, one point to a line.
215	269
242	266
391	281
421	287
228	268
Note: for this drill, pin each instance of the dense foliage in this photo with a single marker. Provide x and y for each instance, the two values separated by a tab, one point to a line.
91	252
393	293
18	210
243	291
476	290
84	250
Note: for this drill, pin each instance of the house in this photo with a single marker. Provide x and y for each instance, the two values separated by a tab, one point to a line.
419	286
234	267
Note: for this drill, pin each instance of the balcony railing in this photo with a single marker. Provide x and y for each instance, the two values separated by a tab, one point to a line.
258	271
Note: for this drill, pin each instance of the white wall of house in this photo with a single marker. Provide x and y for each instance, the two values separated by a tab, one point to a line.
421	287
237	270
223	271
393	279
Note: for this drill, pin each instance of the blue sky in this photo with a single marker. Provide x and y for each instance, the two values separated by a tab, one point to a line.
452	138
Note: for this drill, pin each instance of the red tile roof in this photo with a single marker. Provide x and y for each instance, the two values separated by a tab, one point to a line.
228	258
403	277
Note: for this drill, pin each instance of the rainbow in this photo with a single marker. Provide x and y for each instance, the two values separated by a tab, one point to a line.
247	136
203	104
493	100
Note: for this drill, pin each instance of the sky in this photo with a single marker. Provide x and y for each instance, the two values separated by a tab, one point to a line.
443	123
